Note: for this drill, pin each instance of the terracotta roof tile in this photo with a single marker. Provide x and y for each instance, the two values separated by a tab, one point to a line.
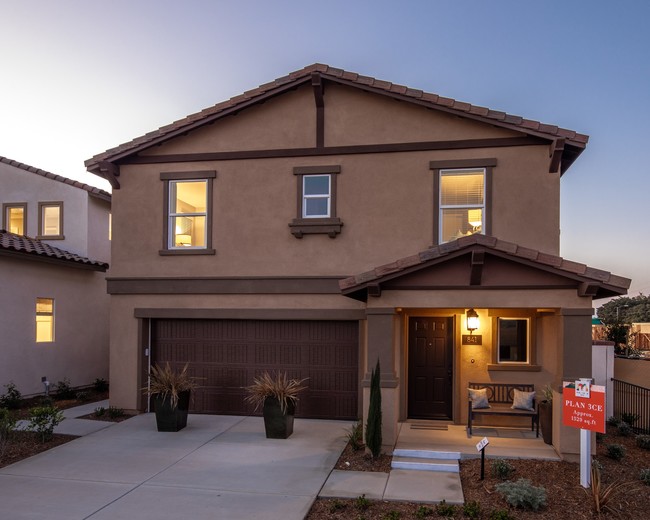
619	281
408	261
552	260
23	245
507	247
573	267
345	283
366	277
597	274
510	121
429	254
383	270
525	252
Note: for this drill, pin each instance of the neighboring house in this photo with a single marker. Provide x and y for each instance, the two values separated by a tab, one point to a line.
54	253
326	220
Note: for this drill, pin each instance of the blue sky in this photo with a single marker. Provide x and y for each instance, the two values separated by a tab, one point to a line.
82	76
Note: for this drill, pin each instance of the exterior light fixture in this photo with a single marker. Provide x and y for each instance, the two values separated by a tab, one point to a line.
472	320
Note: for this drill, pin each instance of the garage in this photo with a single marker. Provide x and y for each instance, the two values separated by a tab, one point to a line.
226	355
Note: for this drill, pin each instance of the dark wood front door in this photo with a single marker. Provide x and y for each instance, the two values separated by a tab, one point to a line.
430	365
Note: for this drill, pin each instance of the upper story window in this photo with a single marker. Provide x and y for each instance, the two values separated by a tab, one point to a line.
50	220
44	320
316	210
462	198
188	204
513	337
14	218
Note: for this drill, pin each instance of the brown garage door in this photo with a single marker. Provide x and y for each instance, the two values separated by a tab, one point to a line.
228	354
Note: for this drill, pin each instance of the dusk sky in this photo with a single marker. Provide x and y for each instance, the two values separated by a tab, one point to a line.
81	76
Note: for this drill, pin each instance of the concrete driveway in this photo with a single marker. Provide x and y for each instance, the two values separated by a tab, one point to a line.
219	467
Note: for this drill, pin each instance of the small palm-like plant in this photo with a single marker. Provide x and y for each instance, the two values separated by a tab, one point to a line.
164	382
285	390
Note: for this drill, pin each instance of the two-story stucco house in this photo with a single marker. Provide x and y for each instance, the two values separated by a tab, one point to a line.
325	220
54	253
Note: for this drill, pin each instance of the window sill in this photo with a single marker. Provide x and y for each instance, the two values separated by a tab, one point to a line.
50	237
315	226
184	252
512	367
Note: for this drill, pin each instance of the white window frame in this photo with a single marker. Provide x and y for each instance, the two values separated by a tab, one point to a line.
42	208
172	215
441	207
327	196
528	341
48	314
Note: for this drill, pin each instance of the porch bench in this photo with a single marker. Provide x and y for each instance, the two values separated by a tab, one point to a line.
500	397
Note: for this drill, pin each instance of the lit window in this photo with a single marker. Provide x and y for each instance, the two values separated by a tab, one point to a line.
50	220
513	340
187	213
462	203
316	196
15	218
44	320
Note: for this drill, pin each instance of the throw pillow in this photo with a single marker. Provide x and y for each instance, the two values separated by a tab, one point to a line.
479	398
523	400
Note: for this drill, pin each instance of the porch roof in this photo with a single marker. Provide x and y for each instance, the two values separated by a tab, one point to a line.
484	262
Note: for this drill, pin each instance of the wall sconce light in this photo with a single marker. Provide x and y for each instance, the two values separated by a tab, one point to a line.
472	320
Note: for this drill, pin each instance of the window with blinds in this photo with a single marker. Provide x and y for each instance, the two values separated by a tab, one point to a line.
462	203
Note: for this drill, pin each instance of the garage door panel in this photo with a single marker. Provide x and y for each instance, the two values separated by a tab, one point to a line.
229	354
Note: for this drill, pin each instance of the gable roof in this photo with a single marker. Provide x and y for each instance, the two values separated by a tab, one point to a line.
587	280
95	192
34	249
570	142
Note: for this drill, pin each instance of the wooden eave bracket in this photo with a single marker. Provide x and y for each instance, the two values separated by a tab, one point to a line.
555	153
317	86
374	290
110	172
476	271
588	289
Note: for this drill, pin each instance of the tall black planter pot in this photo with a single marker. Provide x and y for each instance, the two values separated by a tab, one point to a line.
546	421
278	425
170	419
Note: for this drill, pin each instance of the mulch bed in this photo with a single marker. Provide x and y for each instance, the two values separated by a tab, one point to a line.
26	444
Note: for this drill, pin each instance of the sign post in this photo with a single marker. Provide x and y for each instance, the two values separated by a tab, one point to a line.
584	408
480	446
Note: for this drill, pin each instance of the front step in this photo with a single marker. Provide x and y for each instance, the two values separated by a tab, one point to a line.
426	460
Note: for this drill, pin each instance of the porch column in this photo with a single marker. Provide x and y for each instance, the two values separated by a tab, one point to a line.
381	343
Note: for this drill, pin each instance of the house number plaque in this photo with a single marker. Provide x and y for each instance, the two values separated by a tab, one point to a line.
472	339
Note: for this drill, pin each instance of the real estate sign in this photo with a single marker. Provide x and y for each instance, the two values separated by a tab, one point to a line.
584	405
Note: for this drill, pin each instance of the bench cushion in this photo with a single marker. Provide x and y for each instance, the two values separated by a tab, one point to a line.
478	398
523	400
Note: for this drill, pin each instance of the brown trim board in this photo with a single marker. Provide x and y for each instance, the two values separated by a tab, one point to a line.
252	314
239	285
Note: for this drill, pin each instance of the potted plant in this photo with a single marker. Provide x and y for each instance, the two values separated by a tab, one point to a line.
278	397
170	392
545	410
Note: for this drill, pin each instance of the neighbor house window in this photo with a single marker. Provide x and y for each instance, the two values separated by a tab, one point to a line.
44	320
513	337
50	220
188	201
462	196
316	212
15	218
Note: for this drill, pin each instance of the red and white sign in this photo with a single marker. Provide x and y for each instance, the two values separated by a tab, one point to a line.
587	413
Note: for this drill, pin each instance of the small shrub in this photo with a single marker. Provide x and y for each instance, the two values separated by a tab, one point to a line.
500	514
472	509
603	495
100	411
502	469
336	505
43	420
362	503
523	494
373	423
645	476
115	413
613	421
100	385
423	512
615	451
82	396
7	425
393	515
445	509
64	389
355	436
625	430
643	442
630	418
12	399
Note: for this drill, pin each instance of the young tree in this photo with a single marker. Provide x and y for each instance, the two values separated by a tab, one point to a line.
624	310
373	425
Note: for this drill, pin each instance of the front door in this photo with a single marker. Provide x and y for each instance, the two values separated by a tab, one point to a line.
430	363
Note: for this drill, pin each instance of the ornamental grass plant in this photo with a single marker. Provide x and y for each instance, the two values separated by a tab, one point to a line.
282	388
165	382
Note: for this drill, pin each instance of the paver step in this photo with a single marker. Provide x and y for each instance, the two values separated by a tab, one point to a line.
425	464
426	454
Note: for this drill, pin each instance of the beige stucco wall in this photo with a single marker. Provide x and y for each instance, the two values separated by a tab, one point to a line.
80	349
634	371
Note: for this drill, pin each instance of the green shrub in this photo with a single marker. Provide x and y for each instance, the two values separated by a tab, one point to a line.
615	451
355	436
472	509
393	515
643	442
362	503
43	420
613	421
502	469
12	399
115	413
82	396
100	411
7	425
445	509
523	494
336	505
645	476
373	424
630	418
64	390
625	430
500	514
100	385
423	512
